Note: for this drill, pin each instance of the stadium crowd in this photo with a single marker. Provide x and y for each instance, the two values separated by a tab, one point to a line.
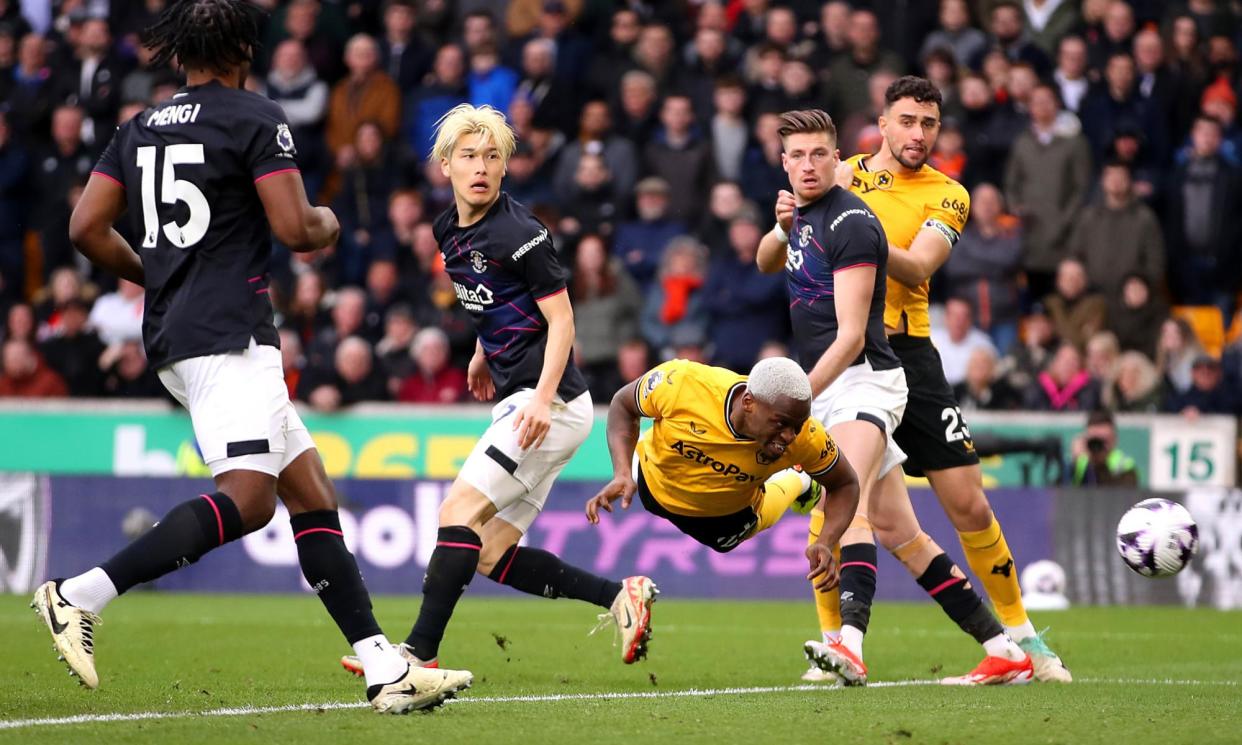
1099	141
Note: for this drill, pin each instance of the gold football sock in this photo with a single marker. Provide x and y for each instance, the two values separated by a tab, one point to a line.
780	491
990	560
827	604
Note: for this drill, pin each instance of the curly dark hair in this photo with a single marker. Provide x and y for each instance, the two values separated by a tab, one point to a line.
911	86
216	35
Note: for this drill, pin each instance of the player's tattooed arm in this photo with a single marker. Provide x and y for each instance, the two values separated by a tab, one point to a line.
294	221
92	234
623	418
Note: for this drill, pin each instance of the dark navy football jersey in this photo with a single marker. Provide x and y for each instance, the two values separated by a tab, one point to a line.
835	232
189	167
500	266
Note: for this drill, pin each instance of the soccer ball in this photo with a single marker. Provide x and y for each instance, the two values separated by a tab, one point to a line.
1157	538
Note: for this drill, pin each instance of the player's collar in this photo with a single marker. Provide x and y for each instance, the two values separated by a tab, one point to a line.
728	409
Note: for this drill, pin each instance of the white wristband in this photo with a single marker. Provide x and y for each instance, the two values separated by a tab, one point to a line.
780	234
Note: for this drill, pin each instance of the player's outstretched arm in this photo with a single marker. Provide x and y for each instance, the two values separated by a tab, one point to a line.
623	417
775	243
92	234
927	253
838	503
294	221
852	287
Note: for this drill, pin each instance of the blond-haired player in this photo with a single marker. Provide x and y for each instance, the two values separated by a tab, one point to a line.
506	274
923	212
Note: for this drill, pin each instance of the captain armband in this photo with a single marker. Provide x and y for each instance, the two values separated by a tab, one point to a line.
944	229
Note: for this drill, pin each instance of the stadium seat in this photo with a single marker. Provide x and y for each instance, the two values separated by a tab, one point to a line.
1208	323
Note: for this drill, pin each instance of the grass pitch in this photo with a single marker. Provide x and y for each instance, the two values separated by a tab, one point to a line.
217	669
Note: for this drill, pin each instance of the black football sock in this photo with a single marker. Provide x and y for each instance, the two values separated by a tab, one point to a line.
453	564
540	572
857	584
959	600
332	572
188	531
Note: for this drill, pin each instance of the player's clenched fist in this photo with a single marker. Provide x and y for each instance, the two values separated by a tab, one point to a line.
785	206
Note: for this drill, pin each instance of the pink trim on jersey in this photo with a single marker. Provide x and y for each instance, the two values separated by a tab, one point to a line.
255	279
318	530
505	573
860	564
261	291
219	520
110	178
449	544
943	585
552	294
854	266
273	173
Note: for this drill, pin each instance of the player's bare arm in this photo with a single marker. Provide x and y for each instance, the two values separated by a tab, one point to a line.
852	299
623	418
927	253
294	221
773	248
92	234
533	420
838	503
479	376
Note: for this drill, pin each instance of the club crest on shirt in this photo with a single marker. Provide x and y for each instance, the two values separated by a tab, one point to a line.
478	262
883	180
804	235
284	138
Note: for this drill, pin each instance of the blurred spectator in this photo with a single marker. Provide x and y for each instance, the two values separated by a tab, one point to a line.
983	267
527	180
117	316
1176	353
556	25
93	81
1103	355
681	157
1201	222
982	389
1189	64
606	307
592	206
1025	361
1070	74
1046	180
1118	235
126	373
292	360
367	94
853	130
1096	459
490	83
709	62
633	360
295	85
1076	313
847	75
33	94
1137	388
446	314
1116	105
747	307
989	129
74	351
66	163
641	243
65	285
19	323
551	98
394	350
306	312
361	202
730	133
24	375
1134	313
1157	87
1208	393
722	206
348	318
688	343
654	54
957	338
404	51
319	27
434	381
676	301
1129	148
384	290
834	33
949	155
351	378
1117	31
956	34
765	174
442	89
1049	20
595	136
14	172
637	111
1008	36
1065	385
614	57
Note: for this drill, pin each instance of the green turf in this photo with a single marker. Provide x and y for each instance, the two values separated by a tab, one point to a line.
192	653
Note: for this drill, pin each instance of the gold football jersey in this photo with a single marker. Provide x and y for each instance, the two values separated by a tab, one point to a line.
905	204
693	461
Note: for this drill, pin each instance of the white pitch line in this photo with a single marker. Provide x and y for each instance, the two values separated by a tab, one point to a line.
242	711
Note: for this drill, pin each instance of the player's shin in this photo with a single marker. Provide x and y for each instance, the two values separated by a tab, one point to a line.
989	558
332	572
453	564
179	539
948	586
542	573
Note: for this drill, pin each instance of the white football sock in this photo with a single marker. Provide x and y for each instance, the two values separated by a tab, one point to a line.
1018	633
380	662
89	591
852	638
1002	646
831	636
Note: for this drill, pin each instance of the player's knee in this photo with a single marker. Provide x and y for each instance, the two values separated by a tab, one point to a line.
972	512
256	510
491	554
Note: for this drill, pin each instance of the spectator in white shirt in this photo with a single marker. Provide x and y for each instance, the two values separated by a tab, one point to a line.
957	338
117	316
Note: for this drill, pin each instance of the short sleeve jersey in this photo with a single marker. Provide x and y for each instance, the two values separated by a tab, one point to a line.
501	266
189	167
834	233
905	204
693	461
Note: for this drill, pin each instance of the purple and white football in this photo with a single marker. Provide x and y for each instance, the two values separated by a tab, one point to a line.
1157	538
